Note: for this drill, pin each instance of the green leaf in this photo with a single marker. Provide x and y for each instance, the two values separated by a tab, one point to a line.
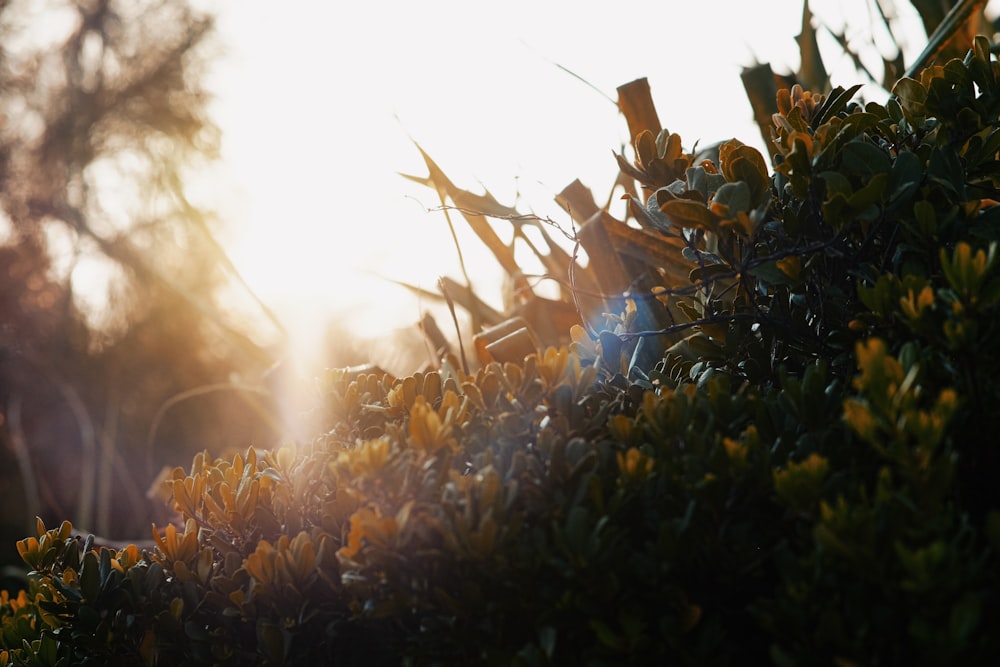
854	126
870	194
690	214
739	162
705	349
106	571
904	177
90	577
834	103
862	158
547	640
735	196
771	274
912	97
710	271
606	635
270	642
649	216
693	314
965	617
945	168
697	179
987	225
836	184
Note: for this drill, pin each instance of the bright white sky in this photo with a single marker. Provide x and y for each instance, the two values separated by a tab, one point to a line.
316	101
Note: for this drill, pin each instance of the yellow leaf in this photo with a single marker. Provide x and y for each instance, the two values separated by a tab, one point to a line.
366	525
260	564
634	464
304	553
27	548
791	266
483	540
735	450
427	431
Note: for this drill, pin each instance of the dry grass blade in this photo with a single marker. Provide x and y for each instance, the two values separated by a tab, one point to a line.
435	337
607	265
894	68
931	13
461	294
812	72
558	263
636	103
762	90
650	248
550	320
483	206
627	185
511	340
577	200
948	35
841	39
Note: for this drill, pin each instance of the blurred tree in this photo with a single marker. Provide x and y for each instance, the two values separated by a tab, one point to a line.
104	119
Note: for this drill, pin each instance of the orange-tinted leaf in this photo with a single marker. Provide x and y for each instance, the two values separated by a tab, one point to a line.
645	148
745	163
690	214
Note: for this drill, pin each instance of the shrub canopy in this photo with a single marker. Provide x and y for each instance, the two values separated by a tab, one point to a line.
780	453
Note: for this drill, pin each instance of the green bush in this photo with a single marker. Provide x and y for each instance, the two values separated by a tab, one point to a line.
802	474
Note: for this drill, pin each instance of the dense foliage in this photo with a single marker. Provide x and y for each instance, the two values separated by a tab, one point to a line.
792	466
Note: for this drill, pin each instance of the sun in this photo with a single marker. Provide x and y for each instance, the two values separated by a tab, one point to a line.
319	108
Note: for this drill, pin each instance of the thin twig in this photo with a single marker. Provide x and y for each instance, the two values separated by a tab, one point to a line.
523	217
675	328
572	285
458	249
